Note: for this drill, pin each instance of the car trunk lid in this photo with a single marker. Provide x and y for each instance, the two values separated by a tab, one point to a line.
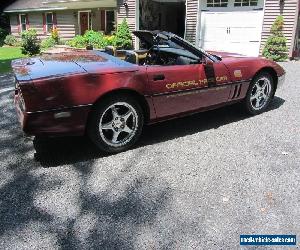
75	62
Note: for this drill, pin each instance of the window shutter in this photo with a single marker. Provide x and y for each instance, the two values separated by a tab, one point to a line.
103	20
27	22
18	22
54	20
44	23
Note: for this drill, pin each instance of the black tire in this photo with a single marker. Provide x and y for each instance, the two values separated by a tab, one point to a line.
250	103
102	111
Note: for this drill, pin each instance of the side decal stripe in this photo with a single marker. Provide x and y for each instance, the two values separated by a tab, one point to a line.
203	89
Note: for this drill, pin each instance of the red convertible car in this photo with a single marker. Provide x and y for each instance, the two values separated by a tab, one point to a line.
110	99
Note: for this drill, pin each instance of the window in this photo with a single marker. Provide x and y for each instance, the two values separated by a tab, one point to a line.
23	22
239	3
49	22
217	3
110	21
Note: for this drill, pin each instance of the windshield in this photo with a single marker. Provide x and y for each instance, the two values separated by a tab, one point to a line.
161	43
163	39
211	56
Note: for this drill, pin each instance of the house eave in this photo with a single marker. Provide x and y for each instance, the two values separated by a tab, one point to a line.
34	10
80	4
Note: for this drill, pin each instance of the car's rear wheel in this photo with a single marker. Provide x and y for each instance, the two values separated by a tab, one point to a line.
260	93
116	124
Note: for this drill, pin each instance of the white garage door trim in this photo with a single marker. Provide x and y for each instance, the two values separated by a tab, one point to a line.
231	31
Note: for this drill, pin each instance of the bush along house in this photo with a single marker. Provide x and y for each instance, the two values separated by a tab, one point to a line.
237	26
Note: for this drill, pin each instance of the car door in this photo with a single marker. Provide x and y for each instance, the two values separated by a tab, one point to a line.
167	85
185	88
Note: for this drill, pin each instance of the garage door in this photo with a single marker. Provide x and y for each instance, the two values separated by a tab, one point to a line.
237	32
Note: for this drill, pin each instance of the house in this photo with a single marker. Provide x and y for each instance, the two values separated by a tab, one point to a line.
240	26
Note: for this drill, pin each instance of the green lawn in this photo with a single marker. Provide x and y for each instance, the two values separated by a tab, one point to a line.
7	54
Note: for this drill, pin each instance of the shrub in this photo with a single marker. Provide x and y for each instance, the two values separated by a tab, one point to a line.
3	34
275	47
30	43
11	40
77	42
62	42
55	35
90	38
109	40
52	40
49	42
123	37
95	39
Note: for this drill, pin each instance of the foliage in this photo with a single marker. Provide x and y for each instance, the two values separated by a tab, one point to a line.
55	35
52	40
123	37
30	43
62	42
109	40
275	47
4	20
11	40
95	39
47	43
91	38
77	42
3	34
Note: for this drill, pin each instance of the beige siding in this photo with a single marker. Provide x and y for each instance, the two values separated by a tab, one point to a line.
289	11
36	22
191	20
14	25
67	24
127	13
96	20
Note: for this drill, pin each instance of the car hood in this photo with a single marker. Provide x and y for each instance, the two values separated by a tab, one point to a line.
74	62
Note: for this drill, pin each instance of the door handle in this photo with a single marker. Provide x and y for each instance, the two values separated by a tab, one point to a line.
158	77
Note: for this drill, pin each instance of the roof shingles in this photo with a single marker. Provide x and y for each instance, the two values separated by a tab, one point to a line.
21	5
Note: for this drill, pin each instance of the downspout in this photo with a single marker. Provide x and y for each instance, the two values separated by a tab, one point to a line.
291	50
137	23
262	30
198	24
185	24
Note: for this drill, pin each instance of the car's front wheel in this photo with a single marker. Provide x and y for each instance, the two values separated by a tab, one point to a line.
116	124
260	93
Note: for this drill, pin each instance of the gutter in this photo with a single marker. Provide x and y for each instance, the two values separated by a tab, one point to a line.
67	1
34	10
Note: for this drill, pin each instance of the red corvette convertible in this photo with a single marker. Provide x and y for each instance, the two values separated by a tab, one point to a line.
110	100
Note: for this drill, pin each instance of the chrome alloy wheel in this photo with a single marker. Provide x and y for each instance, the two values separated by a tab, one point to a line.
260	93
118	124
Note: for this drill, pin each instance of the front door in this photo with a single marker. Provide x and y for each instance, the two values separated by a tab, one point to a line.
84	22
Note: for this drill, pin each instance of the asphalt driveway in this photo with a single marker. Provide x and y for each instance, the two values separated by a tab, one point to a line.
193	183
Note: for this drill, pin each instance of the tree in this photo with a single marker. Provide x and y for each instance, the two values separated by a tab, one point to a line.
275	47
123	36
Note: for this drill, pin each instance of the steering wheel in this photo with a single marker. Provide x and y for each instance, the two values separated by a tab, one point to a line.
149	58
153	58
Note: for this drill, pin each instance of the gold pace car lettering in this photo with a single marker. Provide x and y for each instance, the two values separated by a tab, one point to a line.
195	83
